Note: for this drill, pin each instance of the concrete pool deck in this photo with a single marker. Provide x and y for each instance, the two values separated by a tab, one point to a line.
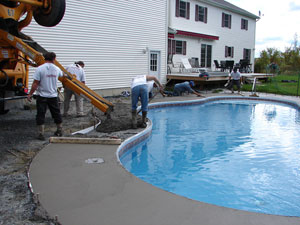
79	193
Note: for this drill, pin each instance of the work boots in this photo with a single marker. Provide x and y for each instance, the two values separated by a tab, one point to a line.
41	131
58	132
144	119
134	120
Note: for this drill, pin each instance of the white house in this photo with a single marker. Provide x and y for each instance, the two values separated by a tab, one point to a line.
208	30
117	40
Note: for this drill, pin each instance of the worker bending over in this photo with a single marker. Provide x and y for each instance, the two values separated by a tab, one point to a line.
139	90
183	87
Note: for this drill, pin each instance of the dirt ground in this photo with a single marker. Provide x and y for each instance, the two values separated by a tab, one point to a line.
19	146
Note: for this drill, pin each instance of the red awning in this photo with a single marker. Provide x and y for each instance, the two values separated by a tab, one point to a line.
192	34
170	35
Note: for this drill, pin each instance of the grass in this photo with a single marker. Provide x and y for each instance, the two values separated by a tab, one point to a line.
276	86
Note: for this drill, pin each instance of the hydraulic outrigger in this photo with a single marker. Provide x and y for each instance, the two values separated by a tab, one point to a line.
16	48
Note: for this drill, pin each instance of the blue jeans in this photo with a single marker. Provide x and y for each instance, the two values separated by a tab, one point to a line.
140	92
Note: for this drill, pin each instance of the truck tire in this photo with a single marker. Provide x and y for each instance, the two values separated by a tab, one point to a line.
50	17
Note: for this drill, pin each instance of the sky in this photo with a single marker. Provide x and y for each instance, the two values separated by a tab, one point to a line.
278	25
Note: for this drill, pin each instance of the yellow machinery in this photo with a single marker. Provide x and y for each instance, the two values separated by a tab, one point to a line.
18	51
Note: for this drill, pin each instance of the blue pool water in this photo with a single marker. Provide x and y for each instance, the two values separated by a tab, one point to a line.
238	154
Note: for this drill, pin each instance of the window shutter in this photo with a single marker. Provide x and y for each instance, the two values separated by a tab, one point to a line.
188	10
244	53
184	48
229	23
197	13
223	19
232	51
241	23
173	47
226	51
246	24
205	15
169	46
177	8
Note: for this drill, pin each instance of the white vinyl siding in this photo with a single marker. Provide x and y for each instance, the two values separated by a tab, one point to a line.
235	36
110	37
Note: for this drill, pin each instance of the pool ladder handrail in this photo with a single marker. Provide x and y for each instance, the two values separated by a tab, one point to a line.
253	94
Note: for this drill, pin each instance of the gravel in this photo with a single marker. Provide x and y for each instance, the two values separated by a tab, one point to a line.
19	146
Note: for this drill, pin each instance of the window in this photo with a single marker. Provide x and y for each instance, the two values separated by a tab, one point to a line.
226	20
176	47
206	55
247	54
153	62
182	9
244	24
180	47
229	51
201	14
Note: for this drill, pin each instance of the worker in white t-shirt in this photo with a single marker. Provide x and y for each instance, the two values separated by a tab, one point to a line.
45	83
235	79
76	69
140	91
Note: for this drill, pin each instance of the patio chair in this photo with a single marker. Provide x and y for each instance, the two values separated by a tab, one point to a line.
245	66
229	65
187	66
194	62
218	66
223	65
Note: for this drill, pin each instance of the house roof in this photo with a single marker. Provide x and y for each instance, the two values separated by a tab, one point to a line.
230	7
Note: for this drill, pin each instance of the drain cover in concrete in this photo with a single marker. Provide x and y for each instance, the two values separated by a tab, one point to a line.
94	161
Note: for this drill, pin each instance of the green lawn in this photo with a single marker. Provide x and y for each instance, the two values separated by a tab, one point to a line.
276	85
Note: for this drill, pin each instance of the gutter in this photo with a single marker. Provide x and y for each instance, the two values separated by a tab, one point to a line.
219	5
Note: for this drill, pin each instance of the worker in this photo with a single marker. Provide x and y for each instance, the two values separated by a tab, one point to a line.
139	90
235	79
151	85
183	87
77	69
45	83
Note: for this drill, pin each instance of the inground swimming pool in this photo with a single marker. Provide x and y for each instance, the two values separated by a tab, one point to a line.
237	153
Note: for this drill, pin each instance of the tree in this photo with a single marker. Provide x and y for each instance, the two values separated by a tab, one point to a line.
288	61
268	56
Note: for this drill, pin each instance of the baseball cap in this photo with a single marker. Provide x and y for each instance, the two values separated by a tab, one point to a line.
192	83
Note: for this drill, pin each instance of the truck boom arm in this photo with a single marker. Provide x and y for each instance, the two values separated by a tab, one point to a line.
69	80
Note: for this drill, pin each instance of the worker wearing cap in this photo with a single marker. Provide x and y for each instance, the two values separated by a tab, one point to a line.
76	69
183	87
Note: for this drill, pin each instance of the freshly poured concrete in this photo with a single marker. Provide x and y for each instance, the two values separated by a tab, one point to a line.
80	193
106	194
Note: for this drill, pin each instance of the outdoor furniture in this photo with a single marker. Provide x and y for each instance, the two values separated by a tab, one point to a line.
217	64
223	65
194	62
245	66
229	65
187	66
220	66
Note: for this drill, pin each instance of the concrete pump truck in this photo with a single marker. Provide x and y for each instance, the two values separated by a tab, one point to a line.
18	51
